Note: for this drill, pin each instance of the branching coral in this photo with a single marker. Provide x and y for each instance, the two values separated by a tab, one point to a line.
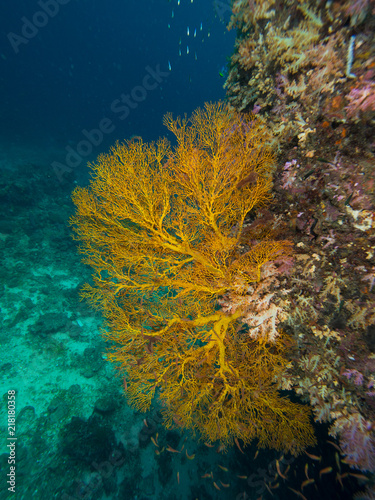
295	60
163	230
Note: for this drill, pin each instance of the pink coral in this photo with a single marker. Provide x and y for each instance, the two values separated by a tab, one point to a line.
357	376
356	440
361	100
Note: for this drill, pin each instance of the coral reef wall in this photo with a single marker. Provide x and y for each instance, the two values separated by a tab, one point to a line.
309	68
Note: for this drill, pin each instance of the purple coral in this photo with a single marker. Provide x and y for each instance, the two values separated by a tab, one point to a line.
357	376
357	442
289	175
370	277
361	99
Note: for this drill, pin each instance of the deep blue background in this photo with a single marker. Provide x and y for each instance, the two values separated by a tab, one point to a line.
65	78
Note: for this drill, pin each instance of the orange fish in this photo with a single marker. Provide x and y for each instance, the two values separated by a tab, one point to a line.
256	454
347	461
359	476
307	471
208	475
172	450
327	470
339	479
242	477
335	445
209	445
178	478
279	471
225	485
190	457
268	488
298	493
155	443
222	468
145	422
307	482
216	486
313	457
337	458
238	445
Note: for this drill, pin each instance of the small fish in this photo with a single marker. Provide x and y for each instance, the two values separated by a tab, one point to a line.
307	471
268	488
222	468
347	461
172	450
238	446
195	56
340	477
169	66
179	52
125	384
187	49
195	32
327	470
225	485
279	471
190	457
335	445
172	14
307	482
178	2
337	458
216	486
187	31
256	454
201	27
209	445
155	443
242	477
145	422
298	493
178	478
313	457
359	476
207	475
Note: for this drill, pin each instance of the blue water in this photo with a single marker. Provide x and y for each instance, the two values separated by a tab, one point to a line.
69	73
